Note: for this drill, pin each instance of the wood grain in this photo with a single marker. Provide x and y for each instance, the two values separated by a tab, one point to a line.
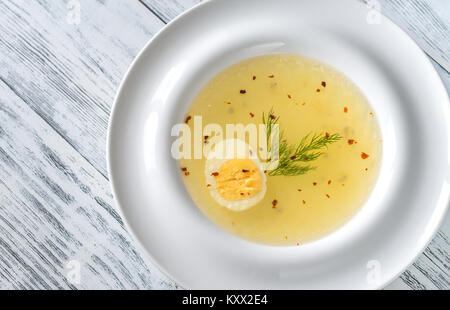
169	9
57	85
69	74
55	207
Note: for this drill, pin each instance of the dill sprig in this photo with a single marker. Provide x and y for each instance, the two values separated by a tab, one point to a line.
290	156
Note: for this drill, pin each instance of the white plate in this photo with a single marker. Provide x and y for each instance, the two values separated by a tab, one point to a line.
411	104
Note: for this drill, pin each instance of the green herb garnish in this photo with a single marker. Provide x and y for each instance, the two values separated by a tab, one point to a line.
290	156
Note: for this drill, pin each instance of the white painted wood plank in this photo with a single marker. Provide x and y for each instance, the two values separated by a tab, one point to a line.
169	9
68	73
432	269
55	207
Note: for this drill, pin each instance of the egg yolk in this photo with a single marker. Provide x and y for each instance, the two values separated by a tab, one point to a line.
238	179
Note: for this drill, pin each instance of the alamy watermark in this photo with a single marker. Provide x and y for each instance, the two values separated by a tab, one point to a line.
214	141
74	12
374	14
73	274
373	277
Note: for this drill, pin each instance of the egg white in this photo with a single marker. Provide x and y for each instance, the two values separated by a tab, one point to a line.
226	152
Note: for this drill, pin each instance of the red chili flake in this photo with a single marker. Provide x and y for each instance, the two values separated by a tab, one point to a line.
184	169
243	91
186	173
293	157
351	141
328	196
327	135
329	182
228	102
208	185
272	116
271	76
289	96
364	155
304	202
324	84
345	110
274	203
215	174
318	90
254	77
252	115
314	183
188	118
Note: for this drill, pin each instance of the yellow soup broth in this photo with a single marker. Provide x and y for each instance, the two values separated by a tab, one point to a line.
308	97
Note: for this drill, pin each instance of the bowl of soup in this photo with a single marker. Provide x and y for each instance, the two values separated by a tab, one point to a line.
302	198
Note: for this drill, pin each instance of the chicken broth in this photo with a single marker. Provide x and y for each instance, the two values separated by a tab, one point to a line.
305	97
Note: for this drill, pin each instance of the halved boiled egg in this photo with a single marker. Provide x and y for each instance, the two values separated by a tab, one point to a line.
234	175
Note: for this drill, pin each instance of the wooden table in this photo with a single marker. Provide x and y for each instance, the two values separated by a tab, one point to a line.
58	78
